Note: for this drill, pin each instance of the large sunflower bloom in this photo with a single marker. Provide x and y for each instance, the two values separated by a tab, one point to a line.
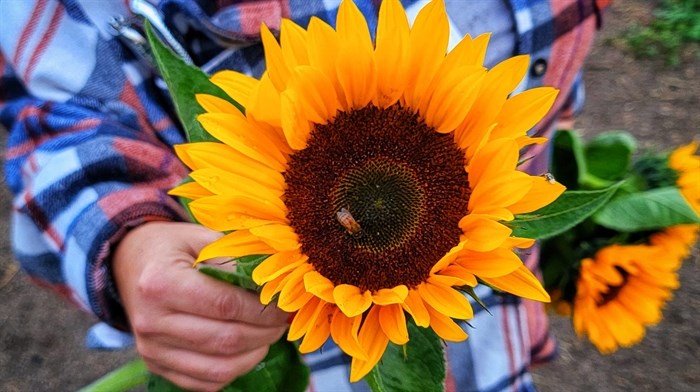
376	176
623	289
687	165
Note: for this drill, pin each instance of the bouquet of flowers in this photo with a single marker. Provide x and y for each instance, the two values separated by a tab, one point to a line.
614	272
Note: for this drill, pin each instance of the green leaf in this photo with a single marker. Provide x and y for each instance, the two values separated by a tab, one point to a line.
184	81
568	162
609	154
282	370
653	209
241	277
124	378
418	366
571	208
236	278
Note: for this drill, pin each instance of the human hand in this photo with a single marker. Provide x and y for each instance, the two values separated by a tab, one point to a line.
197	332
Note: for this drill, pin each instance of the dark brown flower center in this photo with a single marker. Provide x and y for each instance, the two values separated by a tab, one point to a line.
613	291
376	197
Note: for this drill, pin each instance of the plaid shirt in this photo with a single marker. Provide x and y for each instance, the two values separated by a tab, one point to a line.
90	141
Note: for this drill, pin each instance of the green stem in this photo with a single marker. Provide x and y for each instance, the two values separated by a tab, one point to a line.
127	377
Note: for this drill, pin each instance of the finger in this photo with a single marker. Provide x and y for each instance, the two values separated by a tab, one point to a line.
201	295
183	381
201	367
214	337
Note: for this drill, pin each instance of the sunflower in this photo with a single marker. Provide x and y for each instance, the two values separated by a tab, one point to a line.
687	166
378	177
624	288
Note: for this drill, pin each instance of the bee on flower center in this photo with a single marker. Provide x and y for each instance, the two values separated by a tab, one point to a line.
347	221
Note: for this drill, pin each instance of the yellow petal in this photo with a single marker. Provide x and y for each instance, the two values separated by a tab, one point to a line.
319	330
415	306
373	341
483	234
445	299
293	44
222	182
276	265
520	282
394	295
237	85
351	300
274	59
393	323
428	44
448	100
323	53
391	52
495	263
220	156
444	327
315	93
521	112
626	330
265	103
448	258
237	244
239	135
271	288
356	68
190	190
501	191
467	52
302	319
493	160
295	125
213	104
226	213
542	193
344	331
294	295
319	286
497	85
464	276
280	237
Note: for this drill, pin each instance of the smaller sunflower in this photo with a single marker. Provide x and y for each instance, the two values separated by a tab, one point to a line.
687	165
623	288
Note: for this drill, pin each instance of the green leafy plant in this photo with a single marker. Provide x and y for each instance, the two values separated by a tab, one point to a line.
676	24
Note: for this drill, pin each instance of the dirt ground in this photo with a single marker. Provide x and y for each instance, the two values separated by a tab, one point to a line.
41	338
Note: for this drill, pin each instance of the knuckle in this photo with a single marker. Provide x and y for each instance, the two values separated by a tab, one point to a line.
219	374
151	286
228	306
230	342
148	353
142	325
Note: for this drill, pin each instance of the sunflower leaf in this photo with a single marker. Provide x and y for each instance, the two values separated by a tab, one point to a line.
184	81
653	209
571	161
570	209
568	162
417	366
281	370
236	278
608	155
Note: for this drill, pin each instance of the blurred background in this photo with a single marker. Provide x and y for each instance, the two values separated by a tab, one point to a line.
643	76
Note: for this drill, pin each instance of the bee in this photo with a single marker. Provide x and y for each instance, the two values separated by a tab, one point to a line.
347	221
549	177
